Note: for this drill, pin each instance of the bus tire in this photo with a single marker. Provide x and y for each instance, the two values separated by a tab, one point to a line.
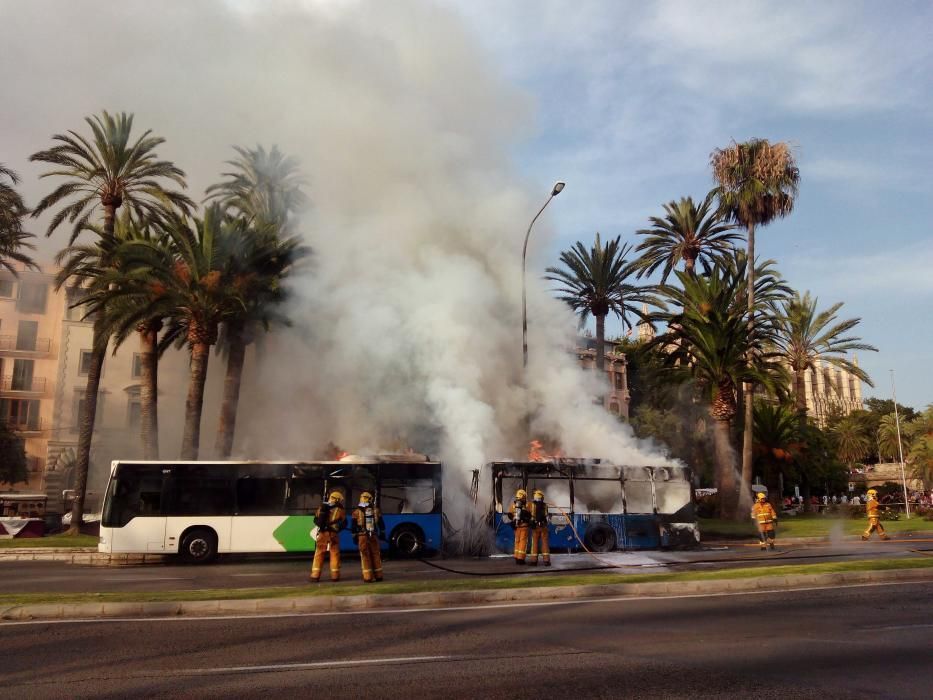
198	545
407	541
600	538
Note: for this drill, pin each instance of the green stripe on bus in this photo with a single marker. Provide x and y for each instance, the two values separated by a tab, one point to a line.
294	534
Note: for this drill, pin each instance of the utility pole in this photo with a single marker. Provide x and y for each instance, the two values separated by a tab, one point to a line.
900	448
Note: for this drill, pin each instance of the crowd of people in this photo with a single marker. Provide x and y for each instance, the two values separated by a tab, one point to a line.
916	498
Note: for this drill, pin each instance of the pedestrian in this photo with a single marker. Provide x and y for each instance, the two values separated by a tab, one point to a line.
368	528
874	518
330	519
764	516
539	530
520	519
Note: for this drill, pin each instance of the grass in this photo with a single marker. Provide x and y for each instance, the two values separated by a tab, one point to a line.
50	541
497	583
808	526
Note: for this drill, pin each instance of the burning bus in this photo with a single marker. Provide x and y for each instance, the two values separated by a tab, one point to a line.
598	506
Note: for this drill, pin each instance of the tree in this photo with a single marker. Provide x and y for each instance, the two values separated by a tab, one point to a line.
105	173
596	281
806	336
888	432
12	456
709	339
191	283
777	444
265	190
13	240
757	183
920	430
853	438
687	233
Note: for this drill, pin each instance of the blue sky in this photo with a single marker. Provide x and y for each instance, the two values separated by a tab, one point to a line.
630	98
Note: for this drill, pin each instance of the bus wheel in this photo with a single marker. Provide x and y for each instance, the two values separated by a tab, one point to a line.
407	541
600	538
198	546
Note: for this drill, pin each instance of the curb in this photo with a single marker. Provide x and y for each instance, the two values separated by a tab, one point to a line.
356	603
80	555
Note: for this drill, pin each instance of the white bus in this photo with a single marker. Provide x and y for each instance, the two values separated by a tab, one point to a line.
200	509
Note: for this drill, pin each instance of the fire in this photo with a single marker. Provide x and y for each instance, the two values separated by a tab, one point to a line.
537	453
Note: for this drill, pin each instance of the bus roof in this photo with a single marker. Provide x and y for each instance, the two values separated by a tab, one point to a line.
289	462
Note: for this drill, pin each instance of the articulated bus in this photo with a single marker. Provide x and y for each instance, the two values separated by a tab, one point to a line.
200	509
610	506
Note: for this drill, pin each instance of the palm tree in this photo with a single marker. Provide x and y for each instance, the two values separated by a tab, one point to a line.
688	232
888	438
777	444
107	173
806	336
852	436
709	339
190	283
920	430
595	281
265	190
757	183
13	240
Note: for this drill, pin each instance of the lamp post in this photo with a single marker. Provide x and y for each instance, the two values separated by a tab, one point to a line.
556	190
900	449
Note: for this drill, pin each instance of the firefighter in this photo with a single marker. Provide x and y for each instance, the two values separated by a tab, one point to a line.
764	516
539	532
874	517
521	522
368	527
330	519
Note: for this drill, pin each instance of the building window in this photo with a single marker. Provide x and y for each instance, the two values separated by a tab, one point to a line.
133	413
84	364
20	414
137	365
620	381
32	296
614	408
79	403
73	296
27	333
22	375
6	288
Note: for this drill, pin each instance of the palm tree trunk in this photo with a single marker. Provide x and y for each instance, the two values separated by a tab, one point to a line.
690	266
191	439
800	395
86	430
725	468
601	344
745	498
149	391
228	409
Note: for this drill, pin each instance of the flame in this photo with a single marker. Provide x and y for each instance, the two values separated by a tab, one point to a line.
537	453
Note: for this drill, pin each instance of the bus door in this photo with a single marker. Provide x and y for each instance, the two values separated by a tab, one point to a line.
640	524
135	513
260	511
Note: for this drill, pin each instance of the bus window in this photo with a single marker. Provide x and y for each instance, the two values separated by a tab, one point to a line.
556	492
260	496
672	495
409	496
597	496
304	495
638	497
200	491
137	491
361	479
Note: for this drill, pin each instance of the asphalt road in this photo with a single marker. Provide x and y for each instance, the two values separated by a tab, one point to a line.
233	572
856	642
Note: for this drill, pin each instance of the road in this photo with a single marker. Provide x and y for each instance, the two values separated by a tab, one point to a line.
240	572
855	642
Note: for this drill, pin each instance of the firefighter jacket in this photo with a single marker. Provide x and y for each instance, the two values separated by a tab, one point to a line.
367	521
330	518
538	513
872	508
763	513
521	516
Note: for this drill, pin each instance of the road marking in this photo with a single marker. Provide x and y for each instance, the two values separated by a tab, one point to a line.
309	665
898	627
456	608
146	579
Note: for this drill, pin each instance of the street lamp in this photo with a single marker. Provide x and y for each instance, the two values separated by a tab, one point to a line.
556	190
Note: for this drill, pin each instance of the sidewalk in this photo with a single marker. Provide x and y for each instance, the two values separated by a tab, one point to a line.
334	604
79	555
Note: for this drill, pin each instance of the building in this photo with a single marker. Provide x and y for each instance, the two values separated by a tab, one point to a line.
617	399
831	390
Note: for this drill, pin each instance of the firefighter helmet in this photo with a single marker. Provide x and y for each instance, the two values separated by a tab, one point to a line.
872	492
761	497
336	496
366	497
538	495
521	494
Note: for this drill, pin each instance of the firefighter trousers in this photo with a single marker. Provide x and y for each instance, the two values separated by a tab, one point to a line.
370	557
539	544
326	542
766	532
874	525
521	543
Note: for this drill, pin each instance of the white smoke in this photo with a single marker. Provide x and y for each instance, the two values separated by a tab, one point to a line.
408	327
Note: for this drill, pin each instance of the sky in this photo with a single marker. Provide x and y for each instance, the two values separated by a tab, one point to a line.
622	100
630	98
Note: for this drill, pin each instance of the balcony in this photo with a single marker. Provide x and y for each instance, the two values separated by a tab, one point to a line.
18	386
10	344
29	427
